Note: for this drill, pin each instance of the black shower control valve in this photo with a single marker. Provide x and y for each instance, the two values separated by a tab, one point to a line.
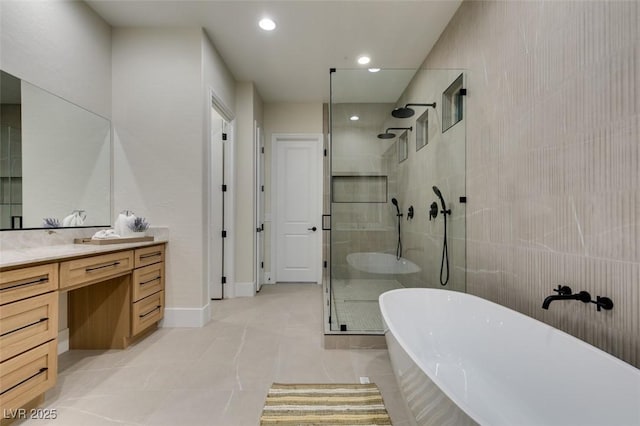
433	210
410	213
603	303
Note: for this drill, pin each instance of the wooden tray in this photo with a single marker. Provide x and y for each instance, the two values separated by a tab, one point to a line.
112	241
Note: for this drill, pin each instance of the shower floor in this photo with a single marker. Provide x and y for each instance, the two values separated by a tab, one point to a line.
354	303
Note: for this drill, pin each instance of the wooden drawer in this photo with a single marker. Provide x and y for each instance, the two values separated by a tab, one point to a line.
93	269
27	324
26	282
26	376
147	281
149	255
147	312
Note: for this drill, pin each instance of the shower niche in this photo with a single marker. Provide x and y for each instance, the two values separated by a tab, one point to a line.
452	103
403	147
358	189
369	164
422	130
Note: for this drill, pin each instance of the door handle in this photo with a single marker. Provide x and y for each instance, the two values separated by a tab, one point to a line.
312	229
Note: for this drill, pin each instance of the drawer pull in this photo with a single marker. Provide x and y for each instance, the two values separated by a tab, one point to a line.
38	281
154	254
24	326
33	376
151	280
102	267
151	311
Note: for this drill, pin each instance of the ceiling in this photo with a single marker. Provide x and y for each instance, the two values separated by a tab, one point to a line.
291	64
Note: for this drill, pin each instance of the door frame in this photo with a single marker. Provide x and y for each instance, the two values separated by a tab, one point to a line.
228	262
259	164
318	140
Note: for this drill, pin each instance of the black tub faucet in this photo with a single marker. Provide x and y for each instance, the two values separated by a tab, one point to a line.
565	293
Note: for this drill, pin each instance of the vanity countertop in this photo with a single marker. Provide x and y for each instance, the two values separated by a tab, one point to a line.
24	256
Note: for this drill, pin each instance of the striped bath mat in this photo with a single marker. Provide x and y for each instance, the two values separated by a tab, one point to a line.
324	404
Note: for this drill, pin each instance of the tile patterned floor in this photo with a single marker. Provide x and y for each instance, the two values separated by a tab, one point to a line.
355	303
216	375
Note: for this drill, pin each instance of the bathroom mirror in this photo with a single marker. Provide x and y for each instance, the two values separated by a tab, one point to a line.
55	157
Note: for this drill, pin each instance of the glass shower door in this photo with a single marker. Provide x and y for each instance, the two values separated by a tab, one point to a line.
381	179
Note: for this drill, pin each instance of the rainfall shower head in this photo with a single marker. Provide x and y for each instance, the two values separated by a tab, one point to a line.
389	135
406	112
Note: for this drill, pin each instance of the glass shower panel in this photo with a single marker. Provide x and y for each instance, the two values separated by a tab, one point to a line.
375	178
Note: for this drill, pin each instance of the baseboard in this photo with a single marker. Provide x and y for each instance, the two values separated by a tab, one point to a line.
63	341
187	317
245	289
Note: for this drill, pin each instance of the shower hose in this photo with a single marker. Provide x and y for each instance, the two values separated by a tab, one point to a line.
445	256
399	246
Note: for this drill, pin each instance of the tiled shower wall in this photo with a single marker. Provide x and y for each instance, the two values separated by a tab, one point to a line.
553	159
440	163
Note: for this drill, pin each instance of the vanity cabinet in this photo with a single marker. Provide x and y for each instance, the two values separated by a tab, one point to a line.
28	333
88	270
147	289
114	299
26	282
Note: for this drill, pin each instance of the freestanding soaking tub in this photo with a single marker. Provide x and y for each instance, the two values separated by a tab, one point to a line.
462	360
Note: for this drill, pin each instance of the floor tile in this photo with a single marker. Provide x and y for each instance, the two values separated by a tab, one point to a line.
218	374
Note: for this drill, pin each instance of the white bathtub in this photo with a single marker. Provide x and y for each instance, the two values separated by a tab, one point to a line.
460	360
381	263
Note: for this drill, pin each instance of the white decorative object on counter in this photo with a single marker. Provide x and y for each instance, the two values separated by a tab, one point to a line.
121	227
105	234
139	226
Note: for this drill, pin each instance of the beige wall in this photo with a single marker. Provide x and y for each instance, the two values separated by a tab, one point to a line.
553	159
60	46
161	82
284	118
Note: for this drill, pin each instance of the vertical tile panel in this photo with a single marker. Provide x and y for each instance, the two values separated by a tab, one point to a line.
553	159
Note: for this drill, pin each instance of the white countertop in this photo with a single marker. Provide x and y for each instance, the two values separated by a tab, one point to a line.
24	256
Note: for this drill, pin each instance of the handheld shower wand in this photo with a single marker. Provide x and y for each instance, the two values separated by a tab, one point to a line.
399	215
444	211
395	203
445	249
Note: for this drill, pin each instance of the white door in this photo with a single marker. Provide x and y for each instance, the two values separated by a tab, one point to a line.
259	206
216	216
298	207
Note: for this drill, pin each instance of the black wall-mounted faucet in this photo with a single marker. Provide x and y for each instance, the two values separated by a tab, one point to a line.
565	293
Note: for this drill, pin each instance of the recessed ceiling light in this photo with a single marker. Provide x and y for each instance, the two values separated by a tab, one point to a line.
354	118
267	24
374	69
364	60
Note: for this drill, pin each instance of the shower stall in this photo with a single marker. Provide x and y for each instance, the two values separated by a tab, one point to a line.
395	137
